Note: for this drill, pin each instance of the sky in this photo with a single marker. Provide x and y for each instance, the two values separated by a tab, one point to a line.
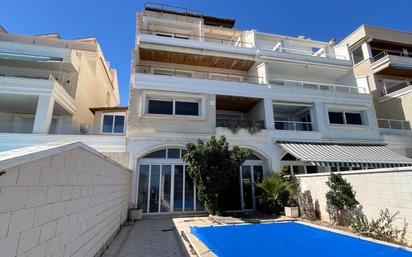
113	21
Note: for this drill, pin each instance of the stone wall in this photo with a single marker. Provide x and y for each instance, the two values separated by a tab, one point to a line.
61	201
375	190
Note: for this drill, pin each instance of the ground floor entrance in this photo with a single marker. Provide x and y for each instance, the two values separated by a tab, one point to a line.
164	184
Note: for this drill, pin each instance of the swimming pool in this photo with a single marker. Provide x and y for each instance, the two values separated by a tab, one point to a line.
288	239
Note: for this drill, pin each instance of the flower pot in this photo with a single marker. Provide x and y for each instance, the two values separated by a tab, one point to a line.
292	212
136	214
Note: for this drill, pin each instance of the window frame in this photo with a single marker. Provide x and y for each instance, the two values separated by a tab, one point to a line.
363	56
200	100
172	72
114	114
345	123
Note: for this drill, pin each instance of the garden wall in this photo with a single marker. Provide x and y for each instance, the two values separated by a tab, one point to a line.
60	200
375	190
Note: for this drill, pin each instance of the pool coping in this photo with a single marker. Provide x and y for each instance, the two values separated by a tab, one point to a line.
195	244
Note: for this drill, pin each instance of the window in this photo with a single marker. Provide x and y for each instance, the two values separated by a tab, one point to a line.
187	108
336	118
160	107
174	107
349	118
113	123
357	55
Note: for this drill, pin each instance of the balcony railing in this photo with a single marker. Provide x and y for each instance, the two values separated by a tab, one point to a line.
229	123
394	124
318	86
297	51
294	125
236	41
401	85
394	53
167	71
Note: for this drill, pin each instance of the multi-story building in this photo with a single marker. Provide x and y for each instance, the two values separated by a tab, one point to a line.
292	101
384	58
47	87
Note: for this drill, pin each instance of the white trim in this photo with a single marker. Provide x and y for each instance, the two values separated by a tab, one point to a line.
114	114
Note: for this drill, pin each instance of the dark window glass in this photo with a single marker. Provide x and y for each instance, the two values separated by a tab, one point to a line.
253	156
178	189
357	55
298	170
344	169
143	187
173	153
154	189
187	108
333	169
311	169
183	153
336	118
165	187
156	154
118	124
353	118
189	193
160	107
289	157
107	124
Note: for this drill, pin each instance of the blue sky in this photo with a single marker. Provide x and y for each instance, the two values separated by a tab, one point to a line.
113	21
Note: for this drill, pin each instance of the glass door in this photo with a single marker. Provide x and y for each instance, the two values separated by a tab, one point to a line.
249	176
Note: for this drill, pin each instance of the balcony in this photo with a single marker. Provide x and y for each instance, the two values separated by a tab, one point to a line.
393	63
293	116
198	74
318	86
396	87
395	127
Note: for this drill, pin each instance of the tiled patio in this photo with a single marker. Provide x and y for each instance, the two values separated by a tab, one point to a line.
155	237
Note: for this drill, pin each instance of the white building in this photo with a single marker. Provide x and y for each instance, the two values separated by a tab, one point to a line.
292	101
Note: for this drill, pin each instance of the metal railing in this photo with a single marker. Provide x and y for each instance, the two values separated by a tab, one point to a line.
401	85
394	124
318	86
388	52
297	51
238	42
167	71
171	8
228	123
294	125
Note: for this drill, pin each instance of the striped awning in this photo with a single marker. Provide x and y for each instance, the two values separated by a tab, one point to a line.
347	155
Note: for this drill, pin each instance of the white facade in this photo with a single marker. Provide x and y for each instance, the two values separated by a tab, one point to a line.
289	88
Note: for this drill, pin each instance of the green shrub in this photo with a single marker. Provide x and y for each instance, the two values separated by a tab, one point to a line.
212	166
381	228
340	200
277	191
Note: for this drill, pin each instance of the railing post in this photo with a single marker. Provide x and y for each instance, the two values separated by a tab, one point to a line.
402	125
294	126
389	123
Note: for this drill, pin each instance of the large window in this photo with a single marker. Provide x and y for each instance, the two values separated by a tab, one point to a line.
357	55
348	118
113	123
173	107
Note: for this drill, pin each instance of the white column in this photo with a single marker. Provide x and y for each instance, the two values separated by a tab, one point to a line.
44	112
319	117
269	119
366	50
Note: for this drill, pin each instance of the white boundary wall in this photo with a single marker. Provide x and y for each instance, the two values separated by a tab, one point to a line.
375	190
60	200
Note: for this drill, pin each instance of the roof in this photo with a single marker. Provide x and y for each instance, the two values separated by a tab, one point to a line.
109	109
344	154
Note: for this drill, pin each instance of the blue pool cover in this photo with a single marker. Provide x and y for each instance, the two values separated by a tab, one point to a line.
288	239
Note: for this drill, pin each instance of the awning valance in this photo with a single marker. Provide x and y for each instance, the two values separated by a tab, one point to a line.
352	155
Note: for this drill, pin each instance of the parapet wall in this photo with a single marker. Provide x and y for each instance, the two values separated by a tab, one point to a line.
60	200
376	190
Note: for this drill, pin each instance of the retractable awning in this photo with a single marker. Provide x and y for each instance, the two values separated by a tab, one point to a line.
339	154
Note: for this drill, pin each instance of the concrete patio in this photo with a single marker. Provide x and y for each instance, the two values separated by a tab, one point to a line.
150	237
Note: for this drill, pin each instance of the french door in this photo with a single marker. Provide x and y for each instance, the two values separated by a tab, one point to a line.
166	188
249	176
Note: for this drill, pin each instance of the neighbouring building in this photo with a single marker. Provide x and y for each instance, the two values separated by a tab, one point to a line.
53	89
384	58
293	101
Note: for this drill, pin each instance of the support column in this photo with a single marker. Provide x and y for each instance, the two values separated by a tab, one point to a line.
44	112
269	119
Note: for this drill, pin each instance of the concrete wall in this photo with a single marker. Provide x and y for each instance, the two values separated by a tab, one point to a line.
69	203
375	190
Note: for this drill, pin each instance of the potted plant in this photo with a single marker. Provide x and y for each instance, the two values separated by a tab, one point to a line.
293	188
135	212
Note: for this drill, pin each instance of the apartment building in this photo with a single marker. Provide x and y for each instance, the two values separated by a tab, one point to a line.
384	58
48	84
292	101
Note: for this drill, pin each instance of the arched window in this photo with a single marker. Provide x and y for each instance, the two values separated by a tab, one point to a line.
167	153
